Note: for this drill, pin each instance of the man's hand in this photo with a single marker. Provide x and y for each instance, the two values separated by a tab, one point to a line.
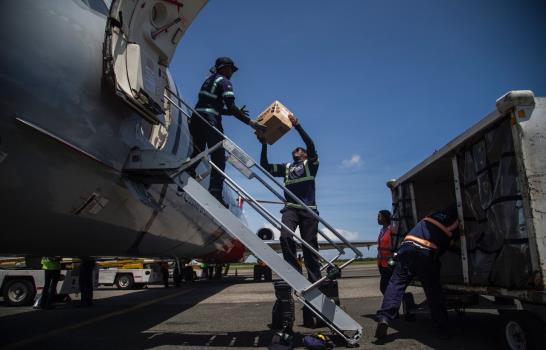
258	127
293	119
244	111
261	139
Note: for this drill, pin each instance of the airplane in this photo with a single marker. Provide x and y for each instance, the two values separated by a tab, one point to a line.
83	84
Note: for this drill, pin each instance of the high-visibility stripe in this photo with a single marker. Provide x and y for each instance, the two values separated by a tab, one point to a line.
307	171
447	230
299	206
206	93
228	93
307	176
421	241
216	81
301	179
208	110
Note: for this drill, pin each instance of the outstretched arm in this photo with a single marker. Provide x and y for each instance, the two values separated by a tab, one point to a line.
309	144
277	170
231	109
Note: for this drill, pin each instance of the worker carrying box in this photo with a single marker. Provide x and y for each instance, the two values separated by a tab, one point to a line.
275	118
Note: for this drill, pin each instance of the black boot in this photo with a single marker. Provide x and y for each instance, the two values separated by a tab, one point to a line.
381	330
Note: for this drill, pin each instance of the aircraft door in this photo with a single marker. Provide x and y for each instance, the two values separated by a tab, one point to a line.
141	38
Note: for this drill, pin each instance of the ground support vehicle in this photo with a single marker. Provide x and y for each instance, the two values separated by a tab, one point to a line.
20	287
131	276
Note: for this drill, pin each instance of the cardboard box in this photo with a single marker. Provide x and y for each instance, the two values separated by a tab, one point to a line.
275	117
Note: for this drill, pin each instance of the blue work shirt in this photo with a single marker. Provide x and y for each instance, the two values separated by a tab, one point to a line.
216	92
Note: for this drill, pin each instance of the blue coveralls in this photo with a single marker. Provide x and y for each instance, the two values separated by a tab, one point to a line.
299	178
216	92
420	260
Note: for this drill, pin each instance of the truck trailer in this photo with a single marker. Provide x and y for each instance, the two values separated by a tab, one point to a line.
496	174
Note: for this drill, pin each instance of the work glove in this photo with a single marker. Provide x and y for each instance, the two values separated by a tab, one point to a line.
258	127
244	111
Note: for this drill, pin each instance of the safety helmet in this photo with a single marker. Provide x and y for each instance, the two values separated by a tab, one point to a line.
225	61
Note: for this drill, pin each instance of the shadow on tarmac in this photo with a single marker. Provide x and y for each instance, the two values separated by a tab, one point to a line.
463	331
126	314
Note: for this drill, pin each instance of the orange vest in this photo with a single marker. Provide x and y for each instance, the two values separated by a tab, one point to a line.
384	248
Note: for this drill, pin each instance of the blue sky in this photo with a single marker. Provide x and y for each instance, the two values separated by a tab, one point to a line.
379	85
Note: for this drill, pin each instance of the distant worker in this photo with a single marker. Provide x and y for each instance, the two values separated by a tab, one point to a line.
204	270
384	249
164	266
87	266
299	178
418	256
216	92
52	274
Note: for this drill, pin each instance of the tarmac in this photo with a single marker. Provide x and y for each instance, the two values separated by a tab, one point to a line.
232	313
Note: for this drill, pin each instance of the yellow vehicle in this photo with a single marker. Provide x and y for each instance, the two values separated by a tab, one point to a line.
130	273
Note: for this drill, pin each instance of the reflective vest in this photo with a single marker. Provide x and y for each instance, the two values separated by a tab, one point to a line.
384	247
214	91
424	238
50	264
299	180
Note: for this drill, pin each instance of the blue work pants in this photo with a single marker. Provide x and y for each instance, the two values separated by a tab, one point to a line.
413	262
292	218
204	135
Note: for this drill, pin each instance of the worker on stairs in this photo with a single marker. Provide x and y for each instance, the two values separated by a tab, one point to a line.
216	98
299	178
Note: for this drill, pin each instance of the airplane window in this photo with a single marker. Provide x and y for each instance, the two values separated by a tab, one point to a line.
99	6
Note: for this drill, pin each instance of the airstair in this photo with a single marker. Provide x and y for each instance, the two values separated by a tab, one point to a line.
153	167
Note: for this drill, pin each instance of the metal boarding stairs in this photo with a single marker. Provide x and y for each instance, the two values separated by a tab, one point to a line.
157	167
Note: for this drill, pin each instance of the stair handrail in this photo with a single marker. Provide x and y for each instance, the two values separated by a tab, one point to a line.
266	173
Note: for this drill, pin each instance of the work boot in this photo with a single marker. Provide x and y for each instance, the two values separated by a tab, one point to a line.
381	330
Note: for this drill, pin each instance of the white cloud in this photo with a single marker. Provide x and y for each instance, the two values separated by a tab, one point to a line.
348	235
354	162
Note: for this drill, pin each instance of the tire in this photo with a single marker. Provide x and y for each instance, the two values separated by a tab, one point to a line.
521	330
19	292
124	281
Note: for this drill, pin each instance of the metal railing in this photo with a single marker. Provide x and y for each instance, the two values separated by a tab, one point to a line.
248	162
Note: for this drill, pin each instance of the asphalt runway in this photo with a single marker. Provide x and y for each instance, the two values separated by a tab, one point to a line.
229	314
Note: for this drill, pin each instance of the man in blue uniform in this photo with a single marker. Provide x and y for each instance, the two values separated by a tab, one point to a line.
418	256
299	177
216	98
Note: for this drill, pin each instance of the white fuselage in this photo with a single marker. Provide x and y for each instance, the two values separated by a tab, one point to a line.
64	138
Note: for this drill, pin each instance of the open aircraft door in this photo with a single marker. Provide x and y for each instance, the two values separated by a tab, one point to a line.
141	38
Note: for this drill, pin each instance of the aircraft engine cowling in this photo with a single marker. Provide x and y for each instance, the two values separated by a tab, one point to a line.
265	233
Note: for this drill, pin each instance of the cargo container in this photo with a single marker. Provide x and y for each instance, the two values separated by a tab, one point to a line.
496	174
